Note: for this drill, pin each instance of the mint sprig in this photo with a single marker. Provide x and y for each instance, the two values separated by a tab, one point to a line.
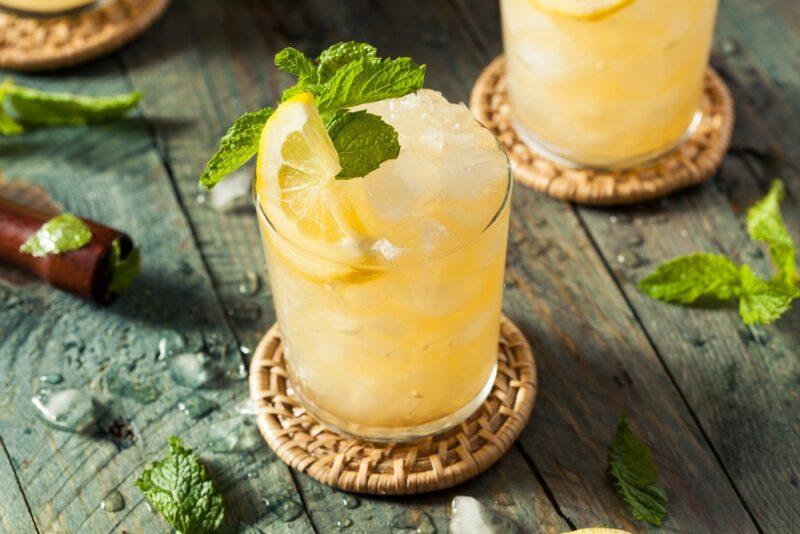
635	475
344	75
180	488
21	105
686	279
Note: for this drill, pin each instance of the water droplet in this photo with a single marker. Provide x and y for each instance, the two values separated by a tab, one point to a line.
192	369
504	499
169	344
246	312
620	218
252	474
143	392
114	502
414	520
244	350
197	406
344	523
634	240
469	516
65	409
684	233
238	373
629	258
248	407
201	198
729	46
51	378
250	284
285	508
235	434
350	501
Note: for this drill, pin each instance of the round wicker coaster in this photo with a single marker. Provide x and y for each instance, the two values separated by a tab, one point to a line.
32	44
435	463
691	163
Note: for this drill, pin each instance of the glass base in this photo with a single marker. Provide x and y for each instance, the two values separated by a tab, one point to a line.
560	156
397	434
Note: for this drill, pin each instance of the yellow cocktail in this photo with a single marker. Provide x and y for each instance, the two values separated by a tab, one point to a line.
606	83
388	288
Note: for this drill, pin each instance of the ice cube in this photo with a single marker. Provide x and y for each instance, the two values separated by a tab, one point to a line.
468	517
385	248
234	191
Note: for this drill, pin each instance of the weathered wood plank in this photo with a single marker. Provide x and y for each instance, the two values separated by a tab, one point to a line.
739	382
14	513
226	236
111	173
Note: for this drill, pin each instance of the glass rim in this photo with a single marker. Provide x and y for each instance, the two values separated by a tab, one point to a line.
425	260
33	14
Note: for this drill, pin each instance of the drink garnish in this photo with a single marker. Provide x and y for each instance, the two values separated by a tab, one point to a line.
715	277
21	105
182	491
344	75
63	233
635	475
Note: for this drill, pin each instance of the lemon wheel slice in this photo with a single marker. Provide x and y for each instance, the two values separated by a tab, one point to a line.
297	189
582	9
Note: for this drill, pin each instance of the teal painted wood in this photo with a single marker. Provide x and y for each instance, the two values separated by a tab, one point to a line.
112	174
14	513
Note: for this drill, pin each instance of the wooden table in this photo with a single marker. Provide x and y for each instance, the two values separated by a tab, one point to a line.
718	401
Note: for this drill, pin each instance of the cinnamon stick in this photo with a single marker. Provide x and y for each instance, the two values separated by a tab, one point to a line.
86	272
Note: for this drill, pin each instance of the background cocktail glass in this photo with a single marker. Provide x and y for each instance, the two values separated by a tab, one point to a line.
406	347
608	91
49	8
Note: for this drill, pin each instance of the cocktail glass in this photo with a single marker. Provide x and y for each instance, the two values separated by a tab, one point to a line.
611	87
401	343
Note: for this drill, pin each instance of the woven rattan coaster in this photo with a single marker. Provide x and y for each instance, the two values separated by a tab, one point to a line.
395	469
32	44
691	163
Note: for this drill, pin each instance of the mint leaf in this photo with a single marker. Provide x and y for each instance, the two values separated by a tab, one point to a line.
635	475
8	126
41	108
763	301
686	278
236	147
765	224
362	140
370	79
295	62
334	57
181	490
62	233
123	270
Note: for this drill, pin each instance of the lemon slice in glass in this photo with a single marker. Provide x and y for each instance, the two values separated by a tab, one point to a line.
316	226
582	9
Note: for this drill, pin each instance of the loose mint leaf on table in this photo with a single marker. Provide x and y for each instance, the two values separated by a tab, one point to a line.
293	61
371	79
31	106
334	57
8	126
635	475
236	147
180	488
764	301
362	140
687	278
63	233
123	270
765	224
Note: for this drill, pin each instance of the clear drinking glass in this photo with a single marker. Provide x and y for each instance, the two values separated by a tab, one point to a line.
407	347
611	90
